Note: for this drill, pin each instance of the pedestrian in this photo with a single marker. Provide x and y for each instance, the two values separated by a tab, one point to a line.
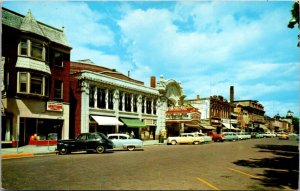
132	134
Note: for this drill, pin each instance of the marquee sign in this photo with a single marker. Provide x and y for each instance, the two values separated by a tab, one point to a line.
54	106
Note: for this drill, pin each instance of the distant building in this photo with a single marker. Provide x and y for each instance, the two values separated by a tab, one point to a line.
35	86
250	115
215	112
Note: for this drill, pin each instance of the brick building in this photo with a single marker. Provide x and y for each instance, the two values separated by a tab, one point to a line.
35	86
215	112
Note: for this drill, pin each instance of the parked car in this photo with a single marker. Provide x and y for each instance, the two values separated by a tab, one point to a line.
269	134
185	138
205	137
243	135
124	141
256	135
230	136
216	137
283	136
90	142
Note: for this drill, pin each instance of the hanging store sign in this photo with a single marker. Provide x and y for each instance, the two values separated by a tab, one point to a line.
54	106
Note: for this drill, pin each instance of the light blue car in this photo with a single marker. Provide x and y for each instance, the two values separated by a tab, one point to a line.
206	138
230	136
123	141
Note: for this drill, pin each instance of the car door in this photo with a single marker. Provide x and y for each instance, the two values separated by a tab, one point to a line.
115	139
80	143
92	140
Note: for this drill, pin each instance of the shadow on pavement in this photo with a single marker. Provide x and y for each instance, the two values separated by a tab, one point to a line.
282	169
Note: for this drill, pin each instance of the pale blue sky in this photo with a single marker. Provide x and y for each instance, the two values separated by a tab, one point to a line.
206	45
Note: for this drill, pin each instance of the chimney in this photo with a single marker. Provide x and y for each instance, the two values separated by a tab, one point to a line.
152	82
198	97
231	94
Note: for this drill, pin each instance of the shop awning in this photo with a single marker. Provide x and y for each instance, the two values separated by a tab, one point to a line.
133	123
192	124
208	127
263	127
227	126
104	120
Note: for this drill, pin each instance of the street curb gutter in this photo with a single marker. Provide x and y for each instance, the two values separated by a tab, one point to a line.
16	155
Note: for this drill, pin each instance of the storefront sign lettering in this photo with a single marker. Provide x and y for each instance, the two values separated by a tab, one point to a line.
54	106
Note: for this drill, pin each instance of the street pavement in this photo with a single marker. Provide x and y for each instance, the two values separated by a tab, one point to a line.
32	150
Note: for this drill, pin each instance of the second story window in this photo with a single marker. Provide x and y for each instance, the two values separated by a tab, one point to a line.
23	47
58	89
37	50
120	101
23	82
92	99
101	98
31	83
58	59
110	99
36	84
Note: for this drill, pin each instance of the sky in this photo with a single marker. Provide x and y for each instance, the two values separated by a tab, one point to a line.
207	46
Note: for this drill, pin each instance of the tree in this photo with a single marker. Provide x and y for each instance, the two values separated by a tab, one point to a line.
295	18
296	124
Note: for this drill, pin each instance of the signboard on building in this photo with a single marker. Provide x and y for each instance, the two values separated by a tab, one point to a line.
54	106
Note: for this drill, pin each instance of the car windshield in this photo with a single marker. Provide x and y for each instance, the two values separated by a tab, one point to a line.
103	136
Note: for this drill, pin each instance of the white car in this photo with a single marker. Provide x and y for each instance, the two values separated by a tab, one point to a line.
185	138
269	134
124	141
243	135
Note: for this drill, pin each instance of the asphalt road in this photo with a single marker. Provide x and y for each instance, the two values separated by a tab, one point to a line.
256	164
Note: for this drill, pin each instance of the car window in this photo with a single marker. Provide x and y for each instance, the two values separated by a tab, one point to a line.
113	137
123	137
82	137
93	136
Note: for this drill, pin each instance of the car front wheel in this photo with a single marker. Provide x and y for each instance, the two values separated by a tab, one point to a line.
100	149
173	142
63	151
130	148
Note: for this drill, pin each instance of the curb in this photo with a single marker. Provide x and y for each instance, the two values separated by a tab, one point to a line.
16	155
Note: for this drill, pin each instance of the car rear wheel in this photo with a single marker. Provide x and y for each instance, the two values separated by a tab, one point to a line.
173	142
63	151
130	148
100	149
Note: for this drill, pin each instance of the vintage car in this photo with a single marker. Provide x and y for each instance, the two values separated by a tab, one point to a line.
269	134
206	138
230	136
124	141
90	142
185	138
243	135
283	136
216	137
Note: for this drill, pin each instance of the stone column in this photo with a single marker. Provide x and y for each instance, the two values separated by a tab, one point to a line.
95	96
85	99
106	98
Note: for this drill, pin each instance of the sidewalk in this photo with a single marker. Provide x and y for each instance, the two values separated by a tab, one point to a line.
31	150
